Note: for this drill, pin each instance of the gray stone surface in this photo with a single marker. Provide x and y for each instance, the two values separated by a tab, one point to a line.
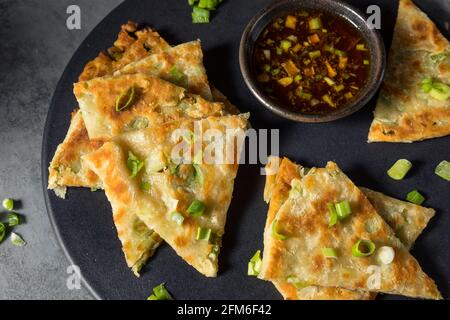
35	46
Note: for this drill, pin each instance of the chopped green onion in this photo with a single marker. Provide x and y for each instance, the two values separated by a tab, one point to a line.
343	209
198	174
2	231
305	95
275	232
279	51
363	248
329	81
386	254
296	283
196	209
208	4
255	264
315	23
134	164
176	74
17	240
200	15
366	62
275	72
139	123
145	186
440	91
314	54
13	219
426	85
125	99
267	67
415	197
339	88
329	253
8	204
203	234
399	170
285	44
177	217
93	189
443	170
333	215
327	99
361	47
160	293
192	2
297	78
339	53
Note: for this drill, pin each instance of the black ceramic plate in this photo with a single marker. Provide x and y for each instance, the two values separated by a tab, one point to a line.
83	221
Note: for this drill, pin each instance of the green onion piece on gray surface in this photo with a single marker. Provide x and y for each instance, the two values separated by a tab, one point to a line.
443	170
13	219
196	208
8	204
17	240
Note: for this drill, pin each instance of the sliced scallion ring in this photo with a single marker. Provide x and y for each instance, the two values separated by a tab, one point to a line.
8	204
160	293
415	197
204	234
443	170
363	248
125	99
196	208
399	170
329	253
13	219
343	209
255	264
17	240
275	233
198	174
333	215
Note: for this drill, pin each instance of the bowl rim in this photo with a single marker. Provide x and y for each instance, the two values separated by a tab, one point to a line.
371	87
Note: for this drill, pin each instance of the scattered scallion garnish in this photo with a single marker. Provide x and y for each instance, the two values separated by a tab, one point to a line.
8	204
13	219
333	215
415	197
160	293
399	170
296	283
437	90
275	233
134	164
329	253
363	248
201	9
196	209
17	240
343	209
443	170
176	75
198	174
204	234
125	99
255	264
145	186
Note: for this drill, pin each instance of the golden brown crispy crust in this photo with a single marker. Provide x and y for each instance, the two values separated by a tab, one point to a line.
303	218
404	113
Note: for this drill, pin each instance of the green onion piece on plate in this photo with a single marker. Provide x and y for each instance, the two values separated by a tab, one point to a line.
314	54
196	208
329	253
8	204
399	170
145	186
363	248
255	264
440	91
2	231
177	217
160	293
200	15
426	85
134	164
415	197
443	170
17	240
13	219
343	209
204	234
208	4
315	23
333	215
275	233
125	99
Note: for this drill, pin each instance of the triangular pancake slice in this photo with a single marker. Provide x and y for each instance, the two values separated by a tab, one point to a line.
404	111
154	102
303	219
407	219
173	187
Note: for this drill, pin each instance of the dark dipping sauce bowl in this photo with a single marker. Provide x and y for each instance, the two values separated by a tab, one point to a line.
338	8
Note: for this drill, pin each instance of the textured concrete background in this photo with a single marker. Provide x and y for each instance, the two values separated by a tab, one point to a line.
35	46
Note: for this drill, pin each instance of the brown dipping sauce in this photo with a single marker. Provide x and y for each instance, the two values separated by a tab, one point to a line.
311	61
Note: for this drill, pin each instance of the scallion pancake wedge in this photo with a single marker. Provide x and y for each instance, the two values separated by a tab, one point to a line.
171	187
405	111
407	219
304	221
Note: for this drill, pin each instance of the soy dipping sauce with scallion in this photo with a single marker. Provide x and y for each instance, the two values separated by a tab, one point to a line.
311	61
